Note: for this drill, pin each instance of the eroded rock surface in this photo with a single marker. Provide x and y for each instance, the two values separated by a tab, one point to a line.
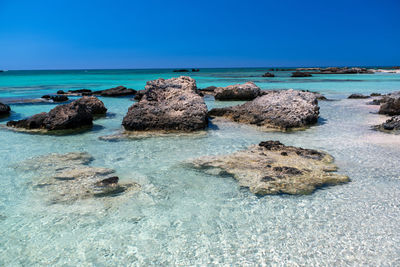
390	104
392	124
65	178
246	91
273	168
171	104
95	105
278	109
116	91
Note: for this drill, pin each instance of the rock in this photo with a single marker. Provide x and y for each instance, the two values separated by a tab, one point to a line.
273	168
59	98
375	94
95	105
195	70
209	89
301	74
171	104
344	70
246	91
358	96
390	104
68	116
80	91
65	178
4	109
116	91
319	96
268	74
392	124
181	70
139	95
278	109
60	92
46	97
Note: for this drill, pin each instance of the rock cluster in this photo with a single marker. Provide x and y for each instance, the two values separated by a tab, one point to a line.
168	105
273	168
246	91
392	124
278	109
301	74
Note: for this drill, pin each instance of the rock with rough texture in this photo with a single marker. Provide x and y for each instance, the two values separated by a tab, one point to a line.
171	104
63	117
95	105
392	124
343	70
59	98
116	91
139	95
4	109
273	168
358	96
268	74
65	178
278	109
246	91
390	104
301	74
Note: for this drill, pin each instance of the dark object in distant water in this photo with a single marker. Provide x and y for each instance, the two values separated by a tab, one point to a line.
344	70
46	97
60	92
375	94
116	91
80	91
268	74
181	70
301	74
56	98
358	96
4	109
195	70
246	91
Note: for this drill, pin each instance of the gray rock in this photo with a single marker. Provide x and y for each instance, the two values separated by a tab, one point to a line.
168	105
278	109
392	124
273	168
246	91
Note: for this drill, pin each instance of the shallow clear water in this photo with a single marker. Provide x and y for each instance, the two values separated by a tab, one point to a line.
185	217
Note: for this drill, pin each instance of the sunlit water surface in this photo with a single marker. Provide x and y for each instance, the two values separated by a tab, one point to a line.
185	217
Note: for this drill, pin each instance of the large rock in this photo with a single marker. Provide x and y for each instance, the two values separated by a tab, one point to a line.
358	96
168	105
301	74
273	168
246	91
68	116
343	70
65	178
116	91
95	105
4	109
277	109
390	104
392	124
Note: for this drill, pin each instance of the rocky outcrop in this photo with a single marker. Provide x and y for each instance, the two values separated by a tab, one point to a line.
344	70
166	105
181	70
246	91
65	178
358	96
278	109
116	91
392	124
4	110
74	115
268	74
390	104
273	168
56	98
301	74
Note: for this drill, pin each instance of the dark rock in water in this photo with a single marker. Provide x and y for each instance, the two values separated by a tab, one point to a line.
195	70
268	74
60	92
246	91
116	91
171	104
4	109
209	89
392	124
301	74
139	95
278	109
375	94
80	91
273	168
344	70
317	95
68	116
181	70
59	98
390	104
46	97
95	105
108	181
358	96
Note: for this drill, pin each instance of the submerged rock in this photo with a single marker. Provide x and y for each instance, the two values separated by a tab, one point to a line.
181	70
278	109
246	91
301	74
4	109
273	168
116	91
358	96
268	74
65	178
171	104
392	124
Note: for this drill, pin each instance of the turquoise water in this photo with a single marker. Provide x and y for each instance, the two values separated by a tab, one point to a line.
185	217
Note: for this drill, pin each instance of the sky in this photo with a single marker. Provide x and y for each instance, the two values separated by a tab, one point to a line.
102	34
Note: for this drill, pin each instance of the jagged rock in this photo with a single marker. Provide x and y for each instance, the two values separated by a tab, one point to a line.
301	74
171	104
95	105
358	96
319	96
246	91
273	168
268	74
65	178
392	124
390	104
4	109
116	91
139	95
278	109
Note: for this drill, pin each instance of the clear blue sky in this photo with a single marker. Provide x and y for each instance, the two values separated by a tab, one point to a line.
61	34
